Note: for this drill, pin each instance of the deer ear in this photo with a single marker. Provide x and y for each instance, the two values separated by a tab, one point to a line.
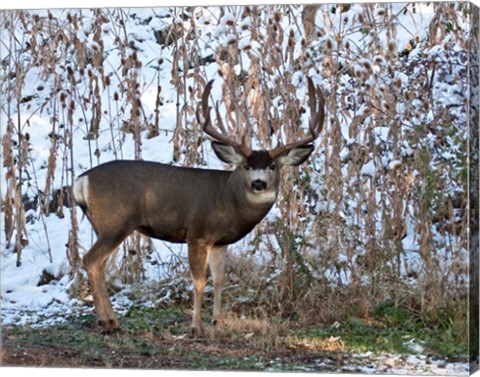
227	153
295	156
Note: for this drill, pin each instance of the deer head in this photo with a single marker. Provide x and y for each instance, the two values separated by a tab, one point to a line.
258	171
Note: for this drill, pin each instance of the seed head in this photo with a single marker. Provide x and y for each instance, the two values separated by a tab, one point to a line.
278	17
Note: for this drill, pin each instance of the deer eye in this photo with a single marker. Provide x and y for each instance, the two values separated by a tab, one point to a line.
272	166
246	167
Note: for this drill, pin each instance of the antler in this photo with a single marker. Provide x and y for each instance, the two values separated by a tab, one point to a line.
316	102
209	130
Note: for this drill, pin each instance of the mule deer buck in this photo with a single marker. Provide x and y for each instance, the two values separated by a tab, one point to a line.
207	209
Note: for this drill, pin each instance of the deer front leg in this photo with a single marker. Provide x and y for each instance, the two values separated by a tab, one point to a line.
197	258
216	261
95	262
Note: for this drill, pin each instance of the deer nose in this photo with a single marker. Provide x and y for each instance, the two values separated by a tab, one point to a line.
259	185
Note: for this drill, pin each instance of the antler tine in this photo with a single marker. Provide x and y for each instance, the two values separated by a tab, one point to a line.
243	146
204	105
316	102
212	132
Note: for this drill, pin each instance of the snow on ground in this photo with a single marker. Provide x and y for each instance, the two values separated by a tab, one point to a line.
407	365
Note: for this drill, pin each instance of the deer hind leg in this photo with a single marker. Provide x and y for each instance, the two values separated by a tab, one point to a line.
197	258
216	261
95	261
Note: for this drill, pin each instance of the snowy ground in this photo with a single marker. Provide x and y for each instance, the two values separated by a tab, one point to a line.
25	303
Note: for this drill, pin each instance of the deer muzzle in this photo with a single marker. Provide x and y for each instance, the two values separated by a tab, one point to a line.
258	185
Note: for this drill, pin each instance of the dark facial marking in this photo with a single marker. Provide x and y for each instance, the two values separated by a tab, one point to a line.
259	160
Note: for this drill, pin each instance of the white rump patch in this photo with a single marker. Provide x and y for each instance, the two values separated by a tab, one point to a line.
80	190
262	197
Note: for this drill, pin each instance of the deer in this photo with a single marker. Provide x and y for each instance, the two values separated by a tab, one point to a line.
206	209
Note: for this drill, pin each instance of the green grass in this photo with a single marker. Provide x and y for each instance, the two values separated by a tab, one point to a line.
392	329
153	338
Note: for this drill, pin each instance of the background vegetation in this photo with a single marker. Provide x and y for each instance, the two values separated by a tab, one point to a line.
376	221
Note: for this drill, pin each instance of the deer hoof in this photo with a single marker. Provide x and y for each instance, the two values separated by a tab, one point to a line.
196	332
109	326
217	323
